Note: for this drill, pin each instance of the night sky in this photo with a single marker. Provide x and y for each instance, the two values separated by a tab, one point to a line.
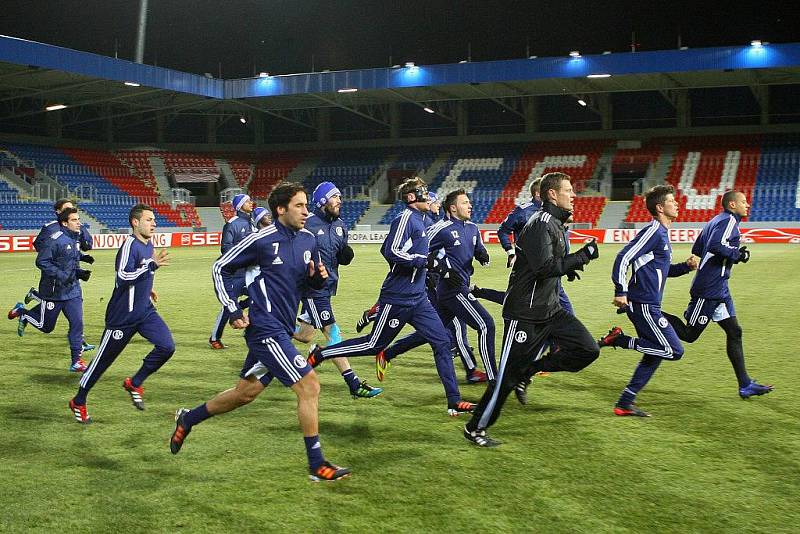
242	37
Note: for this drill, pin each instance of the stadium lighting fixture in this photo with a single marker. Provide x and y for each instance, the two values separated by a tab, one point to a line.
263	74
410	64
532	57
582	102
603	75
55	107
606	52
131	84
575	54
429	110
243	120
756	43
347	90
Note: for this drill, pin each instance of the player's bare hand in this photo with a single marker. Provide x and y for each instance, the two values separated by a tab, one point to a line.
241	323
693	261
323	272
620	302
161	257
153	296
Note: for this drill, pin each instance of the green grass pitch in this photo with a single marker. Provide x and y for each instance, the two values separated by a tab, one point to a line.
705	462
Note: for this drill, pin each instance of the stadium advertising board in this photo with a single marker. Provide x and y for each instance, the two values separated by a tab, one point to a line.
24	243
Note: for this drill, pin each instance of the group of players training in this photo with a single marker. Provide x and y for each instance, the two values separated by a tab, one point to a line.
287	257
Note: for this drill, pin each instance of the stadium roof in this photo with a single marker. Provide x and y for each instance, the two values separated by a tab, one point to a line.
33	75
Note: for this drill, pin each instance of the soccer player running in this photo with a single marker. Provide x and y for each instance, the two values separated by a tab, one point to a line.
130	311
403	299
513	224
287	258
59	292
718	248
455	326
532	312
649	255
460	242
316	312
48	229
237	228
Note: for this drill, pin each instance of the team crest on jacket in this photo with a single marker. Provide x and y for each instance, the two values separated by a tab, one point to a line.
339	231
299	362
520	337
663	322
307	256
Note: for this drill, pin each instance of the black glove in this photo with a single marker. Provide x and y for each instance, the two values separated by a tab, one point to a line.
87	258
589	251
453	279
430	283
316	281
510	260
434	263
345	255
482	256
572	276
84	275
744	255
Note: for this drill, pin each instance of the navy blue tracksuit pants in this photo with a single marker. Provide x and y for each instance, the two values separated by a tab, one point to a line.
390	320
235	288
44	315
114	340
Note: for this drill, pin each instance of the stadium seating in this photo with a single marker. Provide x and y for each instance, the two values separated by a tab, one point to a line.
702	170
776	195
270	170
497	177
99	176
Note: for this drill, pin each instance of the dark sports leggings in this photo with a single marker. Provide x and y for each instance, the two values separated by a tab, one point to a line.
733	342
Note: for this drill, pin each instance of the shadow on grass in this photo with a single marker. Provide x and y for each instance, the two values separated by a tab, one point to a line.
55	377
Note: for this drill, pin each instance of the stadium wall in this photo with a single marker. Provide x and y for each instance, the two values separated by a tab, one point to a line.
24	243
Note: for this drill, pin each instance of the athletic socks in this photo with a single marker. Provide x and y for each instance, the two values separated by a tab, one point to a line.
197	415
352	380
313	451
80	398
641	376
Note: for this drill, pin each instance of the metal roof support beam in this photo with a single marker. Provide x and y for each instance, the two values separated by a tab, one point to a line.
49	90
395	120
81	104
277	114
500	102
683	108
606	110
440	112
761	93
323	124
353	110
462	119
531	110
130	113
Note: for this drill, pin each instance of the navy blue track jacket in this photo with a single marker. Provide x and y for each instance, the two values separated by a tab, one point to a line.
406	250
717	246
282	256
331	239
515	222
130	302
59	261
649	255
